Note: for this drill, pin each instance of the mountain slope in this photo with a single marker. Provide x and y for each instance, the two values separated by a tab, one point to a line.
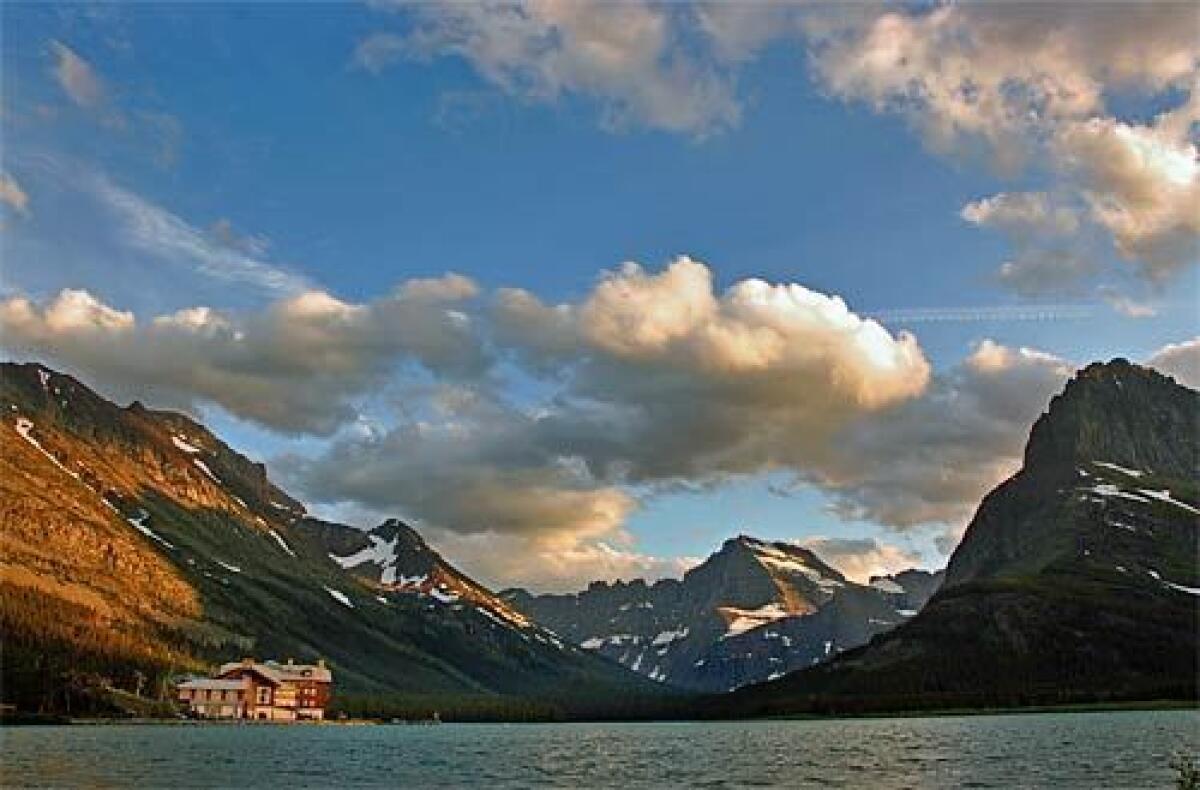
1076	580
751	611
134	544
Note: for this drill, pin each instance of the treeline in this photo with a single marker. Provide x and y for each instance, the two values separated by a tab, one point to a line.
504	708
423	707
58	657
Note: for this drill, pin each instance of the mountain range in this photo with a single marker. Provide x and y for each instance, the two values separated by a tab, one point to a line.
135	546
754	610
1077	579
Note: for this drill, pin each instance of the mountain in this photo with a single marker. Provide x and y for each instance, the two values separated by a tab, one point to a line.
1076	580
909	590
753	610
136	544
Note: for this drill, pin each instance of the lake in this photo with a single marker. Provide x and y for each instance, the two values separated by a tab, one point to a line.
1102	749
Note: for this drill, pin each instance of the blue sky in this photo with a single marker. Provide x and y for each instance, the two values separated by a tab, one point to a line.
261	131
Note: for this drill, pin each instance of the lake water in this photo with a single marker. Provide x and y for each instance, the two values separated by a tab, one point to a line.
1119	749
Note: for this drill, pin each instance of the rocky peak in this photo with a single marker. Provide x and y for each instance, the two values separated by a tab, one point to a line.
1121	413
1108	479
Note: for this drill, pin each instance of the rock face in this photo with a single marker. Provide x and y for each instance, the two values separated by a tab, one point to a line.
394	558
135	544
752	611
909	590
1116	434
1076	580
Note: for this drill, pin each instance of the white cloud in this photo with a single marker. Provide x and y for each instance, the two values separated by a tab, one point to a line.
655	379
76	77
1022	213
168	238
1039	271
666	379
997	73
861	558
1143	186
629	57
1020	84
1180	360
504	560
1126	305
297	366
1029	83
378	51
12	195
931	460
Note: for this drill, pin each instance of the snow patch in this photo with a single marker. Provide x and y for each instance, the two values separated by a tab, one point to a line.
339	596
183	444
1110	490
1117	468
24	426
887	586
381	552
780	560
282	543
139	523
442	596
667	637
743	620
203	467
593	643
1165	496
228	567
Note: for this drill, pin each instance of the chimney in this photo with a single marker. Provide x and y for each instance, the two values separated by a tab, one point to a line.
321	663
290	661
247	662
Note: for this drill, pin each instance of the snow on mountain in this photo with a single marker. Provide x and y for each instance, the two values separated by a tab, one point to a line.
752	610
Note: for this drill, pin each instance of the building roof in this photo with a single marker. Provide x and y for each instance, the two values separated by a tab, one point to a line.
279	673
213	684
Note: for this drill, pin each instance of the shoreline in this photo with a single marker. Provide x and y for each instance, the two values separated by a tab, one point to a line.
1098	707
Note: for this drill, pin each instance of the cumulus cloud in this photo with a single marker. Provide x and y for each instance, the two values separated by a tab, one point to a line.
930	460
474	465
1029	83
1042	231
297	366
1022	213
629	57
995	73
654	379
501	560
1021	85
1180	360
668	379
657	380
861	558
12	195
1142	184
76	76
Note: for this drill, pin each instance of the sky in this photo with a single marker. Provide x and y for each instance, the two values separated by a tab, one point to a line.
581	290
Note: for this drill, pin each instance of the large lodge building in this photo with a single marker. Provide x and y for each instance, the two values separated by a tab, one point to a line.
260	691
